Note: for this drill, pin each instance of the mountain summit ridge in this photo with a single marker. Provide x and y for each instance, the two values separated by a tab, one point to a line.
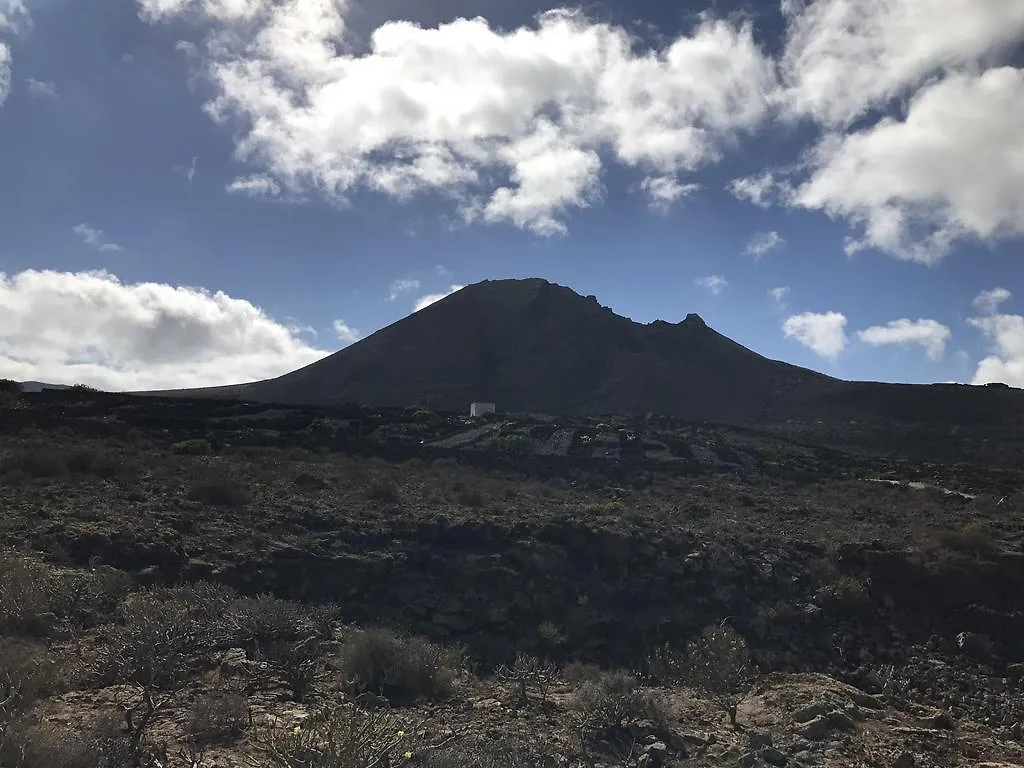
534	345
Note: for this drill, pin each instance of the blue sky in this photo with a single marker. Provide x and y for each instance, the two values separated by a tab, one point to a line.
207	191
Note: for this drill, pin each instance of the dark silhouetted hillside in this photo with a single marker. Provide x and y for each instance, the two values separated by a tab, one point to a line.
530	345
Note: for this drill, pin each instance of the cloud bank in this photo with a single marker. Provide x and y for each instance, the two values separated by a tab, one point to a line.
930	334
90	328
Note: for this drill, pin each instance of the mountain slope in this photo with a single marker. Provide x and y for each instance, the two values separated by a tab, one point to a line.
534	346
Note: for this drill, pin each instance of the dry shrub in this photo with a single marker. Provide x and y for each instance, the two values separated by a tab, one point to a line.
845	595
479	751
38	463
400	667
29	743
383	490
218	493
334	737
614	699
255	623
159	641
218	718
975	538
298	665
579	672
26	674
470	497
527	673
38	599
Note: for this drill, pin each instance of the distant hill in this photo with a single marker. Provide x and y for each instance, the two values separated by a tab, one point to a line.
530	345
39	386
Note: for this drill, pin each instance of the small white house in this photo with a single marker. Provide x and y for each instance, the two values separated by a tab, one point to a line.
477	410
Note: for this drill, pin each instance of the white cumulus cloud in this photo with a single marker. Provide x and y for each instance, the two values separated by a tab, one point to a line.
762	242
665	191
921	112
930	334
5	71
761	190
402	286
346	333
1006	365
512	126
780	296
844	57
43	89
714	283
949	170
823	333
14	17
257	185
433	298
989	301
95	238
90	328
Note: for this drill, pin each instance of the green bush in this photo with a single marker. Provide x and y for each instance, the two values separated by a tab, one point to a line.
718	664
845	595
974	538
198	446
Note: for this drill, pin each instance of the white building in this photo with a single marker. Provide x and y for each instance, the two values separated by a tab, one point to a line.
479	409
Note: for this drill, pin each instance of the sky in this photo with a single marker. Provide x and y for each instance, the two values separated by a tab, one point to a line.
202	192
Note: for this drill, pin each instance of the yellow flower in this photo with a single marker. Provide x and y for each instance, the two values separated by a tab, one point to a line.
297	730
408	755
401	734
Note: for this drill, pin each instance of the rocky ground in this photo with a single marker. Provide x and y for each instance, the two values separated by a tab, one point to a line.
879	624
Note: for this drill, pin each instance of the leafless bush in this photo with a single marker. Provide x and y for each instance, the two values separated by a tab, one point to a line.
297	664
527	672
255	623
718	664
157	643
37	599
400	667
335	737
218	718
478	751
